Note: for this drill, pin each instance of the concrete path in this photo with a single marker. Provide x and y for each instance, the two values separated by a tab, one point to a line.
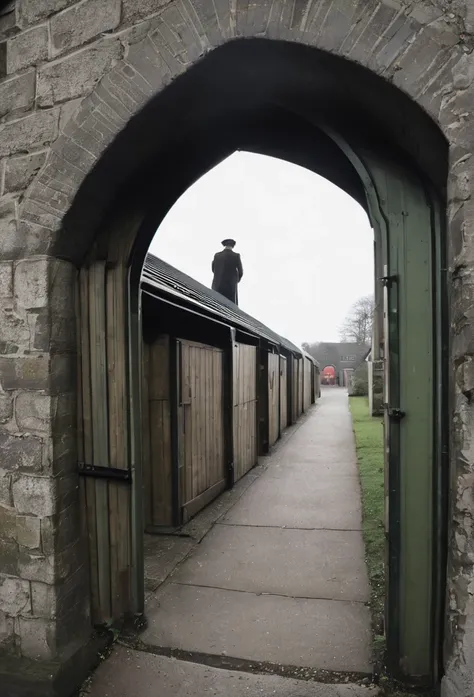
280	580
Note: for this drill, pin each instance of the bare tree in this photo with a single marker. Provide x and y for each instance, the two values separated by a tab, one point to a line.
357	326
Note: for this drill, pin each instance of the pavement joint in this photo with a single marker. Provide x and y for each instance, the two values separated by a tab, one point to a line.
272	595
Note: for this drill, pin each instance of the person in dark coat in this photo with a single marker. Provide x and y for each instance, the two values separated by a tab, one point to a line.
227	270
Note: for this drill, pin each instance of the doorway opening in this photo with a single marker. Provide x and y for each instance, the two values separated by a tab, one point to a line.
372	157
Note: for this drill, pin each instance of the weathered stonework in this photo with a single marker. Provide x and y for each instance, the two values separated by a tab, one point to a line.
66	92
28	48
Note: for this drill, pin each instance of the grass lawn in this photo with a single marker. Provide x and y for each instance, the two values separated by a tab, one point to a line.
369	441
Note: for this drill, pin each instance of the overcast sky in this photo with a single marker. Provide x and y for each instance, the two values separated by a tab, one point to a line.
306	246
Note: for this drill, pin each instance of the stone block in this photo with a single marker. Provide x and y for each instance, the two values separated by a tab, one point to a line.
44	599
17	93
9	557
51	569
7	523
463	73
15	598
53	335
10	245
36	238
82	22
33	411
21	452
77	74
63	373
30	283
28	532
45	283
36	567
25	372
6	279
31	11
56	601
6	407
34	495
7	630
67	112
34	131
38	372
8	21
140	9
6	497
60	530
28	48
20	171
15	331
37	638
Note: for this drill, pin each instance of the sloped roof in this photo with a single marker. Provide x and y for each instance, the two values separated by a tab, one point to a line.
327	352
164	278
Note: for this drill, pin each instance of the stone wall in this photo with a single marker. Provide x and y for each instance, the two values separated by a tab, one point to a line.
71	76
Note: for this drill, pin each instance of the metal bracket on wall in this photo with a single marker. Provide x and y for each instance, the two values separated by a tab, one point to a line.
99	472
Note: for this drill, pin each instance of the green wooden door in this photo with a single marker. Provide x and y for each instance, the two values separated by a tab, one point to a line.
403	218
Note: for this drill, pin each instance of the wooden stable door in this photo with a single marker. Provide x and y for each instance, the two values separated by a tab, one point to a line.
200	426
273	398
283	393
245	409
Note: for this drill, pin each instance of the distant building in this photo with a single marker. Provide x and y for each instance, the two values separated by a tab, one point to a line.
337	361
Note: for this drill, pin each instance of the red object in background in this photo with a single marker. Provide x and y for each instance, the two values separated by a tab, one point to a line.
329	375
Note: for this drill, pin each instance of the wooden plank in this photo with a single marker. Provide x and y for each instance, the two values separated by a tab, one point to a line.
87	446
161	459
117	429
146	446
195	505
160	431
97	322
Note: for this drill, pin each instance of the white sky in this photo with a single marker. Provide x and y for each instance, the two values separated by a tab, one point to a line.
306	246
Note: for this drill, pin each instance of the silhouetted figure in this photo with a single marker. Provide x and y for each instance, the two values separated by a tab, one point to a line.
227	269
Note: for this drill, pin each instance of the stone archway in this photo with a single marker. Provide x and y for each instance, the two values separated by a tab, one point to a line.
421	51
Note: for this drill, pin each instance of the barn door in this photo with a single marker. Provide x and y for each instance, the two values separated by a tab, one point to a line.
202	473
412	372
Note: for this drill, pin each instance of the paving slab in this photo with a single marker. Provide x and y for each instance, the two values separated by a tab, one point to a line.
296	501
298	563
320	634
162	554
130	673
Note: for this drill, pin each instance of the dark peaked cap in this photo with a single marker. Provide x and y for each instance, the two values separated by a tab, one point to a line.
228	243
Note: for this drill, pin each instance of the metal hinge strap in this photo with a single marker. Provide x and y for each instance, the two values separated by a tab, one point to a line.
123	475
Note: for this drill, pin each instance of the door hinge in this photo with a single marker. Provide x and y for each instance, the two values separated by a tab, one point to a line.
122	475
388	280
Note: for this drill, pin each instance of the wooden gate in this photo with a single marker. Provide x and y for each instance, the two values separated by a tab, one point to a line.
202	471
273	398
307	386
283	393
245	409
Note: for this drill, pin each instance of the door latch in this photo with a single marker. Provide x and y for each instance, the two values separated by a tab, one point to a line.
395	413
388	280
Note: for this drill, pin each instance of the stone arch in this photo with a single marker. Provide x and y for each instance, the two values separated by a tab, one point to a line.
421	50
389	41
